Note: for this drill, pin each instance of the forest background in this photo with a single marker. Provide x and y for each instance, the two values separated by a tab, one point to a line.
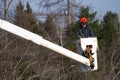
56	21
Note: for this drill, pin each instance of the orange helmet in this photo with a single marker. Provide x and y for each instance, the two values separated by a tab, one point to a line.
83	19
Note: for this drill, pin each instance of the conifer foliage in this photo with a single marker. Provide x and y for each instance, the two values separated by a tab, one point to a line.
25	17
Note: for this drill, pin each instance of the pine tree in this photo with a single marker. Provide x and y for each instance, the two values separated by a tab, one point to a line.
19	15
110	43
30	20
50	28
25	18
109	30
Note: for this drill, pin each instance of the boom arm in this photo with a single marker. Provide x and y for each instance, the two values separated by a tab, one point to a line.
40	41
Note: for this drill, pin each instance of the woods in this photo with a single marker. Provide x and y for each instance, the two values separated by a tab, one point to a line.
56	21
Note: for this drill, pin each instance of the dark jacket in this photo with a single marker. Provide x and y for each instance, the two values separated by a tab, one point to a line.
84	32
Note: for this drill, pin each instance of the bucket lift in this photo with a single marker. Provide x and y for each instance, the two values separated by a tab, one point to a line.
40	41
90	47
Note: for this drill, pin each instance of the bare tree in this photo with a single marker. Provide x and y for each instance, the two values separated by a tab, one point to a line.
114	72
62	11
6	5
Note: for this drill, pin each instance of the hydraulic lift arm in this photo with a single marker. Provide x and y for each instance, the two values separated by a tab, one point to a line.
40	41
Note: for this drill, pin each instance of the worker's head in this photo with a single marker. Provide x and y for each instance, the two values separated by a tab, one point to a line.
83	21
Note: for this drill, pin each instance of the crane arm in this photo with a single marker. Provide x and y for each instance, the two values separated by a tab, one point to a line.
41	41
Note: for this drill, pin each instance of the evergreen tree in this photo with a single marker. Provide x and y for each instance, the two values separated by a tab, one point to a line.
19	15
25	18
110	42
30	20
29	10
109	30
85	12
50	28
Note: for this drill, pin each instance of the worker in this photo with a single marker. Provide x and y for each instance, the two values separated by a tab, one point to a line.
83	31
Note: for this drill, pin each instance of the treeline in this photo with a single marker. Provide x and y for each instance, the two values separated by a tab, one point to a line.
24	60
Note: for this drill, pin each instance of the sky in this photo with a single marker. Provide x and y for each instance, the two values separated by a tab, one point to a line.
101	6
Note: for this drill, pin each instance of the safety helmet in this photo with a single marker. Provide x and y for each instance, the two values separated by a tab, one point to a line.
83	19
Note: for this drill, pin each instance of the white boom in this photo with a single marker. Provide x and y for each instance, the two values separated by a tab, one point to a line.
40	41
